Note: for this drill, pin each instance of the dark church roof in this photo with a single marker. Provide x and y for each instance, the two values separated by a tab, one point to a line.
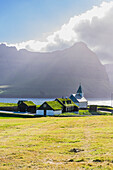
79	89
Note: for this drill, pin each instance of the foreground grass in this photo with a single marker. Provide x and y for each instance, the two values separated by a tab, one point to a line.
45	143
84	113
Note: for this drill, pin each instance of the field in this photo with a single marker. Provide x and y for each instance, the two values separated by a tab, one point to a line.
56	143
7	104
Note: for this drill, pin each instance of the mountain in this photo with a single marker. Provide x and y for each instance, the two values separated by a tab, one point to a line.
109	70
52	74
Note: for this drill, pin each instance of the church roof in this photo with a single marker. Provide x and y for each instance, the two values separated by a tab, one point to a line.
83	99
79	89
77	99
73	98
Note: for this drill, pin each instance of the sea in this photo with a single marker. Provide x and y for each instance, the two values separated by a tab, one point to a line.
39	101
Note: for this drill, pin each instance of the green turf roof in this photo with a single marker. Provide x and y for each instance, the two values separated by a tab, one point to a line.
66	104
29	103
54	105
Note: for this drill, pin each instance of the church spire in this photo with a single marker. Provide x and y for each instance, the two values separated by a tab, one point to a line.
79	91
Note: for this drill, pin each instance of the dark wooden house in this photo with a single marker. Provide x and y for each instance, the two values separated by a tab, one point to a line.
50	108
26	106
67	104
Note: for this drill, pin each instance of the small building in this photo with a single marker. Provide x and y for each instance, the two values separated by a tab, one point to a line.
93	108
50	108
58	106
67	105
26	106
79	99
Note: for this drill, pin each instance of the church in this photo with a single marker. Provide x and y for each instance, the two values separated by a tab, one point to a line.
79	99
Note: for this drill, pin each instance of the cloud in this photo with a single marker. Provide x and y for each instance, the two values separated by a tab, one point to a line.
4	86
94	27
98	34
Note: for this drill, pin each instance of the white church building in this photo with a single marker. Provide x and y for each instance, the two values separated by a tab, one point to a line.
79	99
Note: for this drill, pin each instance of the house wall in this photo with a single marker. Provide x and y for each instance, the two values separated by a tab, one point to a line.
48	112
22	107
40	112
82	105
70	109
32	109
57	112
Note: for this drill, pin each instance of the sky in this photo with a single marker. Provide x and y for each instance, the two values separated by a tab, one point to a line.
48	25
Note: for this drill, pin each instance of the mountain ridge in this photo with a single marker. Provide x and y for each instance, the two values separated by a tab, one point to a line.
52	74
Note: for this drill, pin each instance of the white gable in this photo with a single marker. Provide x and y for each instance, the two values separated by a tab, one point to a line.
79	98
83	99
80	101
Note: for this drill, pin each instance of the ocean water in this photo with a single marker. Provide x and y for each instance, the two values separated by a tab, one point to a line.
39	101
105	102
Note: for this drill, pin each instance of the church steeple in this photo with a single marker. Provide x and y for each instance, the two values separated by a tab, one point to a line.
79	91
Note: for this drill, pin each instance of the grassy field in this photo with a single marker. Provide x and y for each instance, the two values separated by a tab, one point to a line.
56	143
7	104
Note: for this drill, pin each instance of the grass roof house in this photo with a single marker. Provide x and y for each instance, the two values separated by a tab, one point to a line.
57	106
67	104
50	108
26	106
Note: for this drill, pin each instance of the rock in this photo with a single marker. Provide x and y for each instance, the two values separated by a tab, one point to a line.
76	150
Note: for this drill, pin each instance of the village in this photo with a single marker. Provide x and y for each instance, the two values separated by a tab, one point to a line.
75	104
64	104
50	108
